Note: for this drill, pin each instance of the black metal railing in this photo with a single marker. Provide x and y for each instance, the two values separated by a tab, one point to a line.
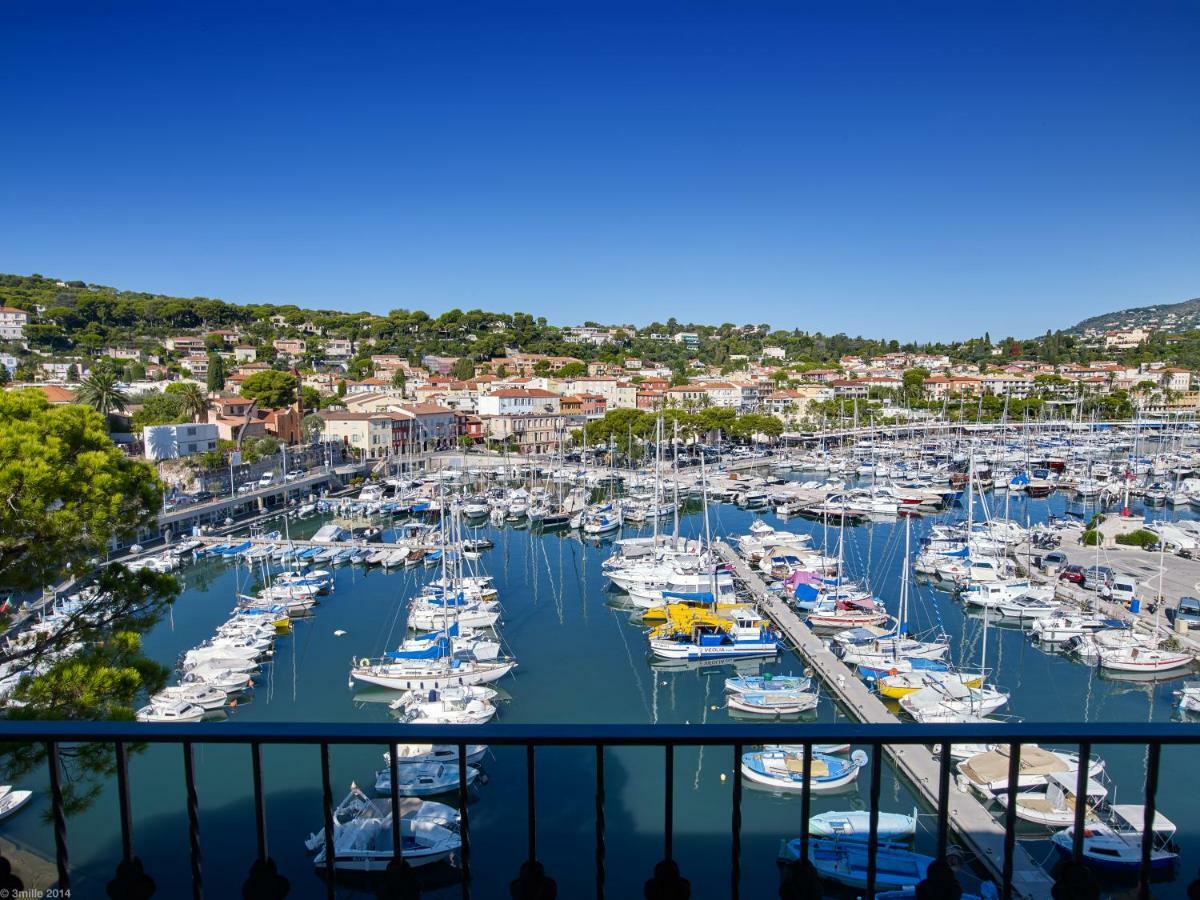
876	737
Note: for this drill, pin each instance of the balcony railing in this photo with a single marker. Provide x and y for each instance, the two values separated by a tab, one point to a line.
600	737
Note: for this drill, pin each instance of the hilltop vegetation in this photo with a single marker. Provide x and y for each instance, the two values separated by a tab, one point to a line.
81	318
1175	317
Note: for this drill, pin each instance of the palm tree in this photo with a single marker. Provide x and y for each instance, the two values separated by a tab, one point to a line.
101	391
193	401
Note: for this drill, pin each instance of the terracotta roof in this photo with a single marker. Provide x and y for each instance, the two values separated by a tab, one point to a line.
56	394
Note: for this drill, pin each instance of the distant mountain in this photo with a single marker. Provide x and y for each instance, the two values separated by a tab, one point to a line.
1164	317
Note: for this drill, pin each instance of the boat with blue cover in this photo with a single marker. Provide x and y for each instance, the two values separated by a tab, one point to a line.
896	867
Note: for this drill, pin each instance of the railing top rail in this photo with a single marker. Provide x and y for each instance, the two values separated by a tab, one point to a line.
605	734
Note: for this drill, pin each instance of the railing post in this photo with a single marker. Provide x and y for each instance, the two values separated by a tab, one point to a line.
669	803
735	877
600	822
193	813
1081	780
260	807
1010	819
327	804
531	801
464	824
60	817
123	802
873	831
394	775
943	807
805	800
1154	752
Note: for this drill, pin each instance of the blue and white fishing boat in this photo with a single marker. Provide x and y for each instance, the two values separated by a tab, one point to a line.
785	770
759	684
855	825
896	867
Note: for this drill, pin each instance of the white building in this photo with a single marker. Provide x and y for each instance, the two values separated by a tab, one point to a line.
174	441
518	401
12	323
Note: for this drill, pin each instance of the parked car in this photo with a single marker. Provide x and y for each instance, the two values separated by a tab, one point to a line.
1073	574
267	479
1054	561
1187	612
1095	577
202	496
1120	589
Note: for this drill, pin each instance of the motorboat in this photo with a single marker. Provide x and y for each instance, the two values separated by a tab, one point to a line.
1115	844
785	770
202	695
1054	805
423	779
410	754
773	703
986	772
363	840
846	862
11	801
175	711
855	825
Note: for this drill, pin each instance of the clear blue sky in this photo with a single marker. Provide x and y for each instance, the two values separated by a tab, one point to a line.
896	169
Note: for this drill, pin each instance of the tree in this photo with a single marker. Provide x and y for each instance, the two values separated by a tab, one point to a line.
341	388
572	370
193	401
5	376
310	397
463	369
314	426
100	391
216	373
70	491
400	381
271	389
914	383
72	373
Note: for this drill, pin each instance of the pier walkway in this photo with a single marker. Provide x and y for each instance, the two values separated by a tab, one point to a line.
977	828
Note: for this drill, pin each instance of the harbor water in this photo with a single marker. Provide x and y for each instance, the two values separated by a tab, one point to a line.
582	658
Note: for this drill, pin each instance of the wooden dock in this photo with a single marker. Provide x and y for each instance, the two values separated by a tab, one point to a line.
975	826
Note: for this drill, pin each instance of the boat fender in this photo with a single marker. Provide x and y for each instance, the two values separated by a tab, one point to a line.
859	758
364	662
893	671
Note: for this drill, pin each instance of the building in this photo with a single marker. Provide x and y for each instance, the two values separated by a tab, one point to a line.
289	346
587	334
774	353
688	338
792	405
12	323
174	441
228	414
244	353
579	408
516	401
185	344
533	433
368	433
195	364
127	354
1178	380
339	348
61	369
440	365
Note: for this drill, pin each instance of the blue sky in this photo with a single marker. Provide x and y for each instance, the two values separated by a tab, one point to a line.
919	170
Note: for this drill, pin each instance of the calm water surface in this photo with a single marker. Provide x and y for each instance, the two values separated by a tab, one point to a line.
582	659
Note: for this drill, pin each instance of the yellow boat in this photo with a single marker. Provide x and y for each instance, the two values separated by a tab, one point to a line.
904	683
663	613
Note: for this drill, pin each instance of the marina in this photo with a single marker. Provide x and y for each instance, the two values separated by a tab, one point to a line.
557	600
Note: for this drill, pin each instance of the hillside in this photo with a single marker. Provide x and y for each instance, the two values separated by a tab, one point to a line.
1173	317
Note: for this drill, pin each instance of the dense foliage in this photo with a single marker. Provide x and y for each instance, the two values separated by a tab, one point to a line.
69	491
